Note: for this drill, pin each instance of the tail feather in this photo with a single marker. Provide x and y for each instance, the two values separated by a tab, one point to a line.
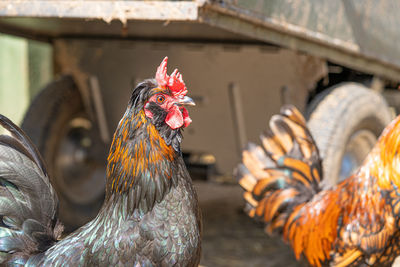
28	203
24	140
284	173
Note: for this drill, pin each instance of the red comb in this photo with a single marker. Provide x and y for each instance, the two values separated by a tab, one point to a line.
173	82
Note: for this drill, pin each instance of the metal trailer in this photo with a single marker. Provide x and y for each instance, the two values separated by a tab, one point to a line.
241	60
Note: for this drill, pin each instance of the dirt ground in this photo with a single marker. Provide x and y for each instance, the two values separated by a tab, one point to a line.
230	238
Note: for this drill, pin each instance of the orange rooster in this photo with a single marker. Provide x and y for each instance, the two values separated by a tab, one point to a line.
354	223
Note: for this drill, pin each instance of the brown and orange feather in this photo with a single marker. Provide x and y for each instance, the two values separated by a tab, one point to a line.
353	223
130	164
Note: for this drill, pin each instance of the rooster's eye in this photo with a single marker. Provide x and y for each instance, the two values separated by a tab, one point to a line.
160	99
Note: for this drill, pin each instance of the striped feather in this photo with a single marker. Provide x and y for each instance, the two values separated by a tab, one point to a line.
354	223
282	174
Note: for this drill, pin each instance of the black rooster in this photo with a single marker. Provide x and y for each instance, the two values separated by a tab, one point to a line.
150	216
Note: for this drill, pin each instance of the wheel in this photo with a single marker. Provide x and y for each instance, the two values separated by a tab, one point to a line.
392	97
71	146
346	123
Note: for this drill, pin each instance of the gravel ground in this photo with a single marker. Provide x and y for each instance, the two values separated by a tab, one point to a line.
230	238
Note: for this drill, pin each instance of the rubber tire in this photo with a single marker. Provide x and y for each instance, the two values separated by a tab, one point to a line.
49	112
393	99
344	110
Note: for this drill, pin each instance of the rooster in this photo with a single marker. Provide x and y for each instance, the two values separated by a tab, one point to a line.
354	223
150	216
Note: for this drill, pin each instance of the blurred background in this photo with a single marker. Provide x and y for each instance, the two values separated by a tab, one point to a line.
28	67
67	69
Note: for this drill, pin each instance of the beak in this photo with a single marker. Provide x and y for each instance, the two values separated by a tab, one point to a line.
187	101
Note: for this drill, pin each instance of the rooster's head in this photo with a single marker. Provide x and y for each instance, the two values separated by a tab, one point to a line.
163	99
161	102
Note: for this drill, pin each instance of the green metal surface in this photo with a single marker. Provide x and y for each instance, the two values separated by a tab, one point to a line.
25	67
40	66
14	79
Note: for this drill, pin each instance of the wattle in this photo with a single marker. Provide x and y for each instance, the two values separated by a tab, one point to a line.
177	117
186	119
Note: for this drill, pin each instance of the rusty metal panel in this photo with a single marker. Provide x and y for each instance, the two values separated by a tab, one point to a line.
369	27
361	35
103	10
358	34
48	19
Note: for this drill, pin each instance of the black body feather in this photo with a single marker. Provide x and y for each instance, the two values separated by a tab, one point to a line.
28	203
